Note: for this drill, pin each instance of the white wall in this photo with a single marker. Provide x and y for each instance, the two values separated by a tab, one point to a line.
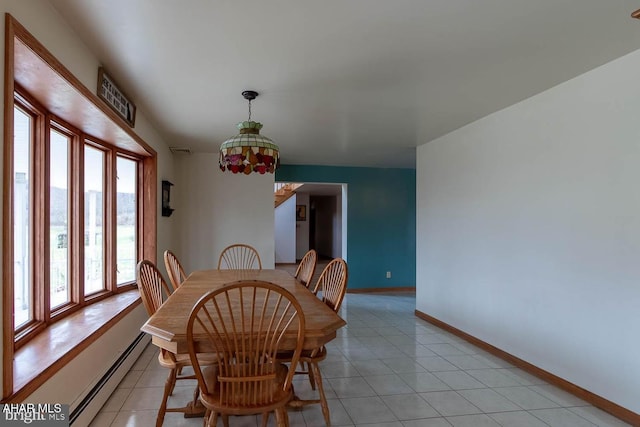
528	230
39	17
337	229
302	227
285	231
214	209
57	388
343	222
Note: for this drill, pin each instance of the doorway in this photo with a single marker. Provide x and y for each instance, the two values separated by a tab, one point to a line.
323	227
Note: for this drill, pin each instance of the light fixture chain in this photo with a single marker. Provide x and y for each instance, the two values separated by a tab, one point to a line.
249	110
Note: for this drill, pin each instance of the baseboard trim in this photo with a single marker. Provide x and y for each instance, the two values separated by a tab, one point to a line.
378	290
109	380
598	401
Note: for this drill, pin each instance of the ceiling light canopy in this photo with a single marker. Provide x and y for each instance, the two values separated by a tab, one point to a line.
249	151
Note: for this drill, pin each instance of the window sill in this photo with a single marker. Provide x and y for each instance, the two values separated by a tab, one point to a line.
43	356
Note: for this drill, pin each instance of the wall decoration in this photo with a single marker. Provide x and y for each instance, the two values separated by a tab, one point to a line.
301	212
166	198
109	92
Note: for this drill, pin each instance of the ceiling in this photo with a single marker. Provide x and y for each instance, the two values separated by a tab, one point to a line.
343	82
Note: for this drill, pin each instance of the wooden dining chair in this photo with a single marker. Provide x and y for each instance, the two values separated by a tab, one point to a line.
246	324
174	269
152	286
306	268
332	283
332	286
239	257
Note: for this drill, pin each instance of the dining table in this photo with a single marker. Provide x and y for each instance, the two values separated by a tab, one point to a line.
168	325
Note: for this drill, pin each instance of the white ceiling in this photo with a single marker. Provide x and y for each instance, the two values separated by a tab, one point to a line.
343	82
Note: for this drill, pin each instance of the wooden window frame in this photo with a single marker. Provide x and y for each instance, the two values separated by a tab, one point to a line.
33	72
37	132
40	242
53	125
106	187
139	190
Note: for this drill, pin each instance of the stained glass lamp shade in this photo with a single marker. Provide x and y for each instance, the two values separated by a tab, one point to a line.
249	151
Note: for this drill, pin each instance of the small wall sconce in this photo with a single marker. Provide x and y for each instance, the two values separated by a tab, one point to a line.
166	198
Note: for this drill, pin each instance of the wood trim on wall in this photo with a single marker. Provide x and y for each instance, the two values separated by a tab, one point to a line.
597	401
91	114
26	384
149	209
30	65
7	213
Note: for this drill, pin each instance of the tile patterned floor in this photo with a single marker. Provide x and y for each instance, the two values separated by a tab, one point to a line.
386	368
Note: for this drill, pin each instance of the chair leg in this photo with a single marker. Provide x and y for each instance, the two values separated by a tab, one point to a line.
323	399
196	396
225	420
265	419
213	419
174	378
312	379
282	418
168	389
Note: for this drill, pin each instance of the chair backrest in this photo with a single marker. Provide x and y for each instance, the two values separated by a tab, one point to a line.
307	267
174	269
239	257
333	283
151	286
245	324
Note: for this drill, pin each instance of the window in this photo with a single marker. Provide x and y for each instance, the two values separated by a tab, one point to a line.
22	273
59	268
126	241
94	262
61	246
57	126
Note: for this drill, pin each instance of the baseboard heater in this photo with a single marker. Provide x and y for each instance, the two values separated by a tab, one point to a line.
73	416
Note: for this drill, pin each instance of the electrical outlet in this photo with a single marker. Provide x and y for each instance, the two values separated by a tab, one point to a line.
388	275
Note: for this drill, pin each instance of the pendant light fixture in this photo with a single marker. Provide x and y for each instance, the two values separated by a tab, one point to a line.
249	151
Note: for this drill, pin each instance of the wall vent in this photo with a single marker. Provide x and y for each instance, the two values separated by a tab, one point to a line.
183	150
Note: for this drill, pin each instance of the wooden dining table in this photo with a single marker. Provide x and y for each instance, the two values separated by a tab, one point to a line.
168	325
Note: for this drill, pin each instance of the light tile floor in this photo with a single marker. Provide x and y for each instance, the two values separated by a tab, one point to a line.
386	368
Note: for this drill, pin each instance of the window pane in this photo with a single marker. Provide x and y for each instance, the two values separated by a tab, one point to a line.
59	220
93	202
126	204
23	301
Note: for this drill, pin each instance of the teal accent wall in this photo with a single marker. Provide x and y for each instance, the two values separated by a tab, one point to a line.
381	220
